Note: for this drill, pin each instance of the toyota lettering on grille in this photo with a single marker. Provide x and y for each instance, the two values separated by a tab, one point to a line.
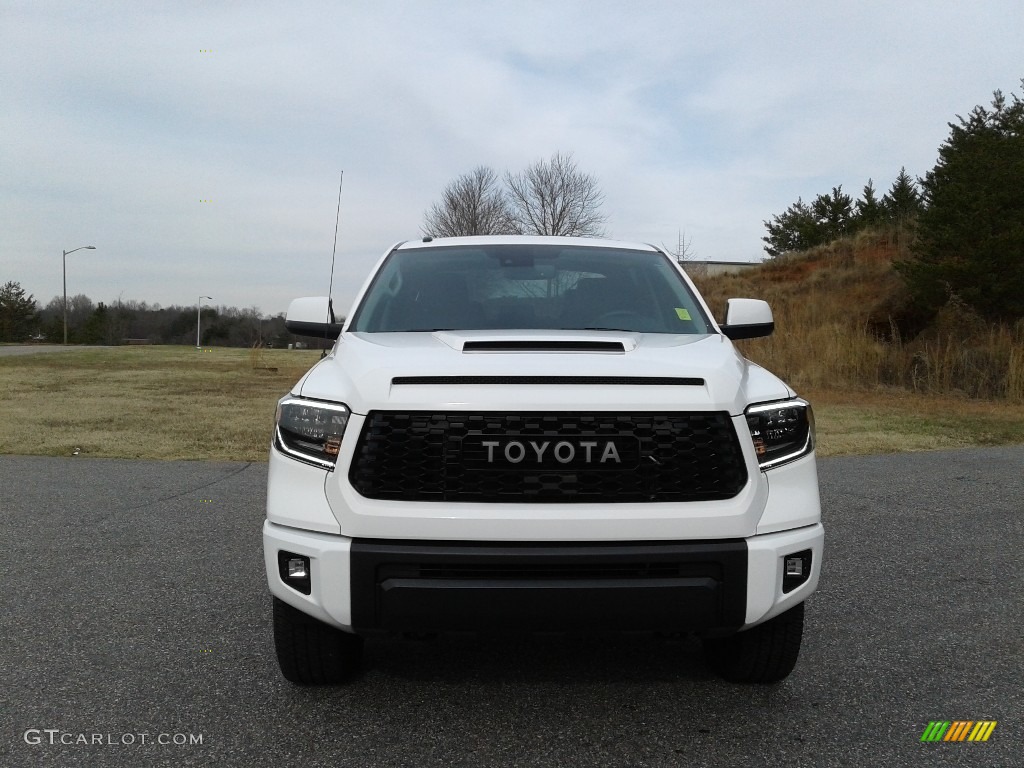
526	452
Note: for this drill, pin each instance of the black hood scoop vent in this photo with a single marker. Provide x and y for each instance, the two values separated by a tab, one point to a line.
615	381
546	345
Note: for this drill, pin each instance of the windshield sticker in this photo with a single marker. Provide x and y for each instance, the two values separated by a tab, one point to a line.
683	314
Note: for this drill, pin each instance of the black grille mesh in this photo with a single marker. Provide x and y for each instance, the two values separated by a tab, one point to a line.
418	456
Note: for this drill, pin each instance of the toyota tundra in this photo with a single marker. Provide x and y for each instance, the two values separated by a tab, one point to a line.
539	434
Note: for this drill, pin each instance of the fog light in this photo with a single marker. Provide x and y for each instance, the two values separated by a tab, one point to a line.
294	570
796	569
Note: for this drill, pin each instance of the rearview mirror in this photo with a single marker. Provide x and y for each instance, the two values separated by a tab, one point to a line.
747	319
313	316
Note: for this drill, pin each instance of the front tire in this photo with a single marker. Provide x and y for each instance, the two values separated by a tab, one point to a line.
766	653
311	652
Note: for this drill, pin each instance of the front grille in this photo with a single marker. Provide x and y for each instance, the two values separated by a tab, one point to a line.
471	457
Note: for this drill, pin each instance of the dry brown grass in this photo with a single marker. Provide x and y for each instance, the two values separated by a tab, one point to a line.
837	314
145	402
861	422
837	308
179	403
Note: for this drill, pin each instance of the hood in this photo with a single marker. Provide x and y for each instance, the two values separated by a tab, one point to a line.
538	370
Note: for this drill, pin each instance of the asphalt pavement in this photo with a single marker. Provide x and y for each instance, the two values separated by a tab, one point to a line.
135	630
14	350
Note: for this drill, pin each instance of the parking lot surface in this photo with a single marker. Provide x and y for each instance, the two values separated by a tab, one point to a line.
135	630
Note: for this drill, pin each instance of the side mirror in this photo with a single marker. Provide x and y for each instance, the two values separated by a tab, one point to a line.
312	316
747	319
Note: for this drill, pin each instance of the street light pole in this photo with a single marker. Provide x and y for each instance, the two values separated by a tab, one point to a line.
65	262
199	311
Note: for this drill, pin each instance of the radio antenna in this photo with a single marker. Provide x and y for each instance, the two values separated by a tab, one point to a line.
334	250
330	286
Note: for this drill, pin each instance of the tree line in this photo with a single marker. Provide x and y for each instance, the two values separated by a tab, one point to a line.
133	322
831	216
962	223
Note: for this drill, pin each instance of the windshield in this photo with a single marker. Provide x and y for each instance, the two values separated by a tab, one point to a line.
528	287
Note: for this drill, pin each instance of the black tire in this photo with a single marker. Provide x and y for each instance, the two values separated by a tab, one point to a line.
766	653
311	652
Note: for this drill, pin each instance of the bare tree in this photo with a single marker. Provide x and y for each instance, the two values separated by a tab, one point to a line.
683	250
555	198
80	307
473	204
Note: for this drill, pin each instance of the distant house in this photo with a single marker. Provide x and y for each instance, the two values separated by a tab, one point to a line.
712	268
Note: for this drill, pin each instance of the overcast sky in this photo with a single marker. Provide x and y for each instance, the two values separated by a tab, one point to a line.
198	146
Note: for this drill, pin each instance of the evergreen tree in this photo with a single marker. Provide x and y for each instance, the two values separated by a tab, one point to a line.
903	202
17	313
833	214
95	328
869	210
794	230
971	235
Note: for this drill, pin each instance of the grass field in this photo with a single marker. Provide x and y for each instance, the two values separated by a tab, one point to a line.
145	402
218	404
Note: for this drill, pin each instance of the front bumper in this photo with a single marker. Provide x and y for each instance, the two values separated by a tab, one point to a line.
367	585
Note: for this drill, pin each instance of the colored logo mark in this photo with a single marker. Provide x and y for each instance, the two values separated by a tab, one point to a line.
959	730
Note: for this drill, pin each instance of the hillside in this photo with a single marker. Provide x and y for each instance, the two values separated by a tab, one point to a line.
843	320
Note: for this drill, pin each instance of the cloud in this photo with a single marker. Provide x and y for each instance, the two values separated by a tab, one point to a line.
119	119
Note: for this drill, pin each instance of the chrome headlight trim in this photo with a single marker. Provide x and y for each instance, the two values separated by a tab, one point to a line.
321	426
799	426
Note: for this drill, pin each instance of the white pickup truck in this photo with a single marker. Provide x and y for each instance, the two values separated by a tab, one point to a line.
542	434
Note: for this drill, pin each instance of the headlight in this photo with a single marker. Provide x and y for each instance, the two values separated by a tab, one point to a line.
309	430
781	431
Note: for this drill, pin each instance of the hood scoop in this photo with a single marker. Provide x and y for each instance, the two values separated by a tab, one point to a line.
545	345
621	381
